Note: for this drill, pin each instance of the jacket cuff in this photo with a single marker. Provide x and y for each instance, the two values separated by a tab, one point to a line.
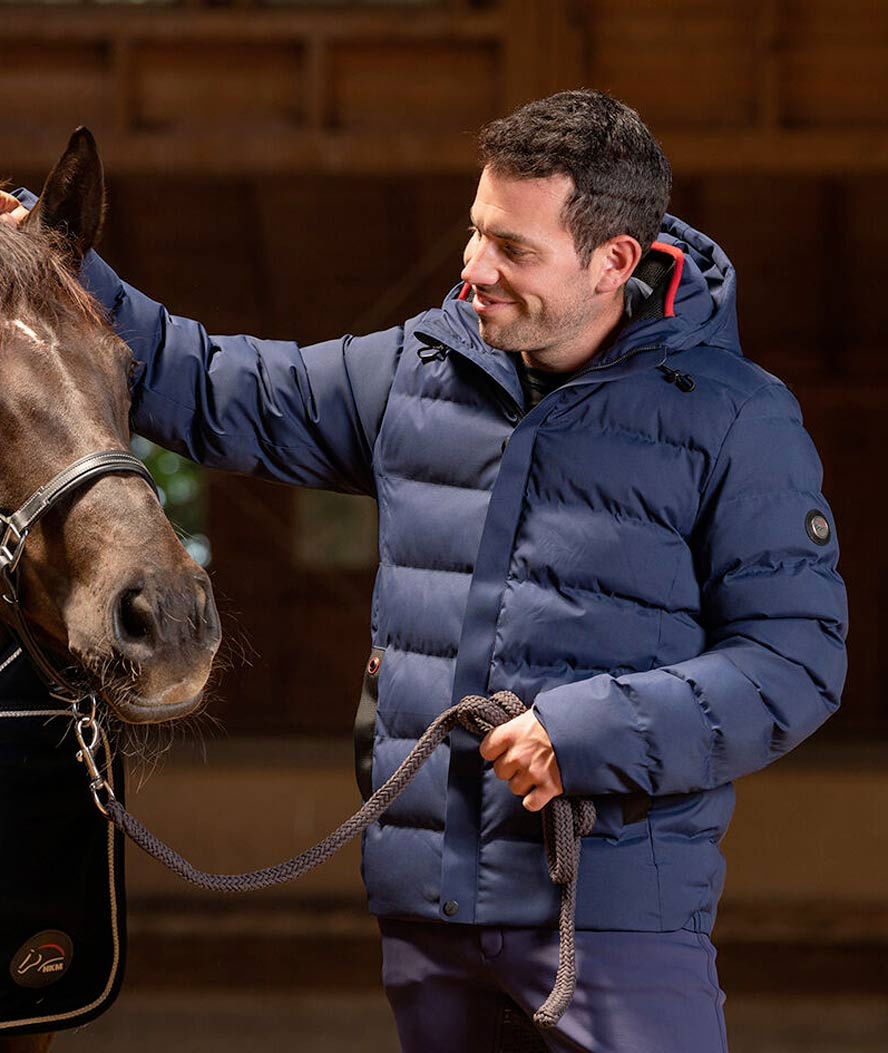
609	738
589	726
24	195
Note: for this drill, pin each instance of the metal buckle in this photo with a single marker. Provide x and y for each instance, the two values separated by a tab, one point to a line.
9	556
86	723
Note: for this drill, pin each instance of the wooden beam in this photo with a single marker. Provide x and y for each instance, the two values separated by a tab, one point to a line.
281	149
814	152
176	24
141	70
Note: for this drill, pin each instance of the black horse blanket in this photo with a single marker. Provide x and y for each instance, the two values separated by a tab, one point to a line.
62	910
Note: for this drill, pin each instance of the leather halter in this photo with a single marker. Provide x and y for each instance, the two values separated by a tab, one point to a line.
15	529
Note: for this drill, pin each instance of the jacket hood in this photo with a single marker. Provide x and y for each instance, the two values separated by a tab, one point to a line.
706	300
705	307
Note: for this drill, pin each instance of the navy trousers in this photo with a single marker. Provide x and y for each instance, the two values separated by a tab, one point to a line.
471	989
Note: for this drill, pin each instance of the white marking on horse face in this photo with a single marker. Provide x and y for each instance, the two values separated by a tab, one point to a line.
27	330
67	390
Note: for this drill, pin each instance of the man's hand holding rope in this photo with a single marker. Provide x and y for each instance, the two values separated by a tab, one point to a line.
522	755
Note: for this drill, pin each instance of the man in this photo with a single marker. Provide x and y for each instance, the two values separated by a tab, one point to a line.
586	496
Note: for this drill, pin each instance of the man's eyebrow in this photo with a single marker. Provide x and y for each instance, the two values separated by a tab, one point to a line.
503	235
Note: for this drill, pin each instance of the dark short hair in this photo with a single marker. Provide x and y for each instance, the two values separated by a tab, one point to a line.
621	177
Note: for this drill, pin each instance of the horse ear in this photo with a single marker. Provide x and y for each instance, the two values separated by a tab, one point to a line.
73	197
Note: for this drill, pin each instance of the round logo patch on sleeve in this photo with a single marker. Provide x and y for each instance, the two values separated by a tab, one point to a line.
817	527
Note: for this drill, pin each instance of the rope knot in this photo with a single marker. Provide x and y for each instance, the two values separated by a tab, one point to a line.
479	715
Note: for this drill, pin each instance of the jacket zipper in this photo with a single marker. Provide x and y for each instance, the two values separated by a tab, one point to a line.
631	353
590	369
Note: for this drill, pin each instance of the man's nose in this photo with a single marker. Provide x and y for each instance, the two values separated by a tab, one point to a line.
480	267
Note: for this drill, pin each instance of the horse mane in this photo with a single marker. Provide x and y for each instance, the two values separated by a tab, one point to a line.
36	279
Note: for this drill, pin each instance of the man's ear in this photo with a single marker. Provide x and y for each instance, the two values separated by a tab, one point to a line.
73	198
619	258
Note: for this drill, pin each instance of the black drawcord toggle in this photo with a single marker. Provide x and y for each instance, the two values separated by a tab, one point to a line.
683	381
432	353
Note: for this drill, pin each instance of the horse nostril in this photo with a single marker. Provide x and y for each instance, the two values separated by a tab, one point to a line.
135	621
161	615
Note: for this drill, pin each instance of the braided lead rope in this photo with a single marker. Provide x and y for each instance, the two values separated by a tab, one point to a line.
565	821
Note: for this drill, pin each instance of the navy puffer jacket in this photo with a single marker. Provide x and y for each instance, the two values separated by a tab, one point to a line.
642	562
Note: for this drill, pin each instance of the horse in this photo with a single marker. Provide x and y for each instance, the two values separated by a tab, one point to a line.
106	586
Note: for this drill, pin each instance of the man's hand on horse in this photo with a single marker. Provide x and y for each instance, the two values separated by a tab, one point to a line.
522	755
11	211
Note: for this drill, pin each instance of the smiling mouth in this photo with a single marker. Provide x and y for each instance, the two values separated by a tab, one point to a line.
487	304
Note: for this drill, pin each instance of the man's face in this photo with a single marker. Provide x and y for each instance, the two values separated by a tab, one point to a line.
530	290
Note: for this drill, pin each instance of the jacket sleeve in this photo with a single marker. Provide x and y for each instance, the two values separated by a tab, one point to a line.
307	416
775	614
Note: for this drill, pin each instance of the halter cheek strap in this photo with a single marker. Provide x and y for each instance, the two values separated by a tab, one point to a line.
15	528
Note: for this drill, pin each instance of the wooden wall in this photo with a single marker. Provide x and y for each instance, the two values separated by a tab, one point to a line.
729	85
302	173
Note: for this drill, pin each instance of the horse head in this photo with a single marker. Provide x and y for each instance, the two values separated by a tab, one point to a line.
105	582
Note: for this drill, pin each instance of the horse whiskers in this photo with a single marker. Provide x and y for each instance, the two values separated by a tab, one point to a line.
236	648
145	747
113	674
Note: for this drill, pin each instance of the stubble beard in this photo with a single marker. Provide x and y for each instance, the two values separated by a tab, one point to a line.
539	335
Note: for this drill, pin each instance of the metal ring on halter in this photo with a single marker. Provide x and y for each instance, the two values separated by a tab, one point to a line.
102	806
89	717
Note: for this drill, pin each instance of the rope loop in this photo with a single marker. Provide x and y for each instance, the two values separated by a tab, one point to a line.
565	820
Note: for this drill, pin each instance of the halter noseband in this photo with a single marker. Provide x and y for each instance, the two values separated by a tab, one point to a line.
15	528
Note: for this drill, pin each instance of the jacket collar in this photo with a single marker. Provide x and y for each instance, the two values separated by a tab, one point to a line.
455	329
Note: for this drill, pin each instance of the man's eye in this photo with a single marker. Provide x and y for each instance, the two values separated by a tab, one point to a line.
513	253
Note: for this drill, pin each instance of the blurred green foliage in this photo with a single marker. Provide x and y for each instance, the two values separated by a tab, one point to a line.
183	494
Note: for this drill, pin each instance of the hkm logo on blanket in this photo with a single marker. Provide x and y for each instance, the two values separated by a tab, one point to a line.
42	959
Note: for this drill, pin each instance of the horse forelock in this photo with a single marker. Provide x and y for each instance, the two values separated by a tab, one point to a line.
36	281
58	351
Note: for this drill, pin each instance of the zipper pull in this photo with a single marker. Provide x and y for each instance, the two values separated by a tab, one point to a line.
683	381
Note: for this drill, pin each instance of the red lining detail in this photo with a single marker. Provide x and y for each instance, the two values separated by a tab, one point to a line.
678	256
464	291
